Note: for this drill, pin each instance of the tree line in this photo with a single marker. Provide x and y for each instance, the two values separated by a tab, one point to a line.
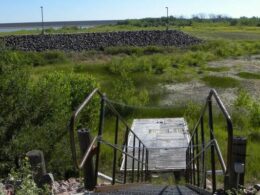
195	20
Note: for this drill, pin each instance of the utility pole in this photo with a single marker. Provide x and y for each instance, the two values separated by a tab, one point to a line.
167	9
42	20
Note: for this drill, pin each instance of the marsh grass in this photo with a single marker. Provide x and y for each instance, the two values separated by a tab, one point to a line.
221	82
249	75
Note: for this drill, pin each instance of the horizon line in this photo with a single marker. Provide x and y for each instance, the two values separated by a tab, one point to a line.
111	20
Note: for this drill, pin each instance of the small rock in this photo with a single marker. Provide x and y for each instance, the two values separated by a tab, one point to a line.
47	179
257	187
250	191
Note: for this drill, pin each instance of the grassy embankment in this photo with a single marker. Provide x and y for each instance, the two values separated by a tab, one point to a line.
141	70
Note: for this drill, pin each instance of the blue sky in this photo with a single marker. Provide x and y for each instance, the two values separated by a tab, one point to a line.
66	10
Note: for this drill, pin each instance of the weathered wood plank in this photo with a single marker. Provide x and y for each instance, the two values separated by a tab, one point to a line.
167	140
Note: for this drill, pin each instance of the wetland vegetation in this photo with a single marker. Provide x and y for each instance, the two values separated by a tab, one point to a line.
39	90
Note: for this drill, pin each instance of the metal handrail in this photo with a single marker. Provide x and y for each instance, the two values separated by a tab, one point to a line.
72	125
122	120
213	143
75	115
213	93
88	152
98	139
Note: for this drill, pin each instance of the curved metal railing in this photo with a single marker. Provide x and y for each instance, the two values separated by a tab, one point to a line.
196	157
95	145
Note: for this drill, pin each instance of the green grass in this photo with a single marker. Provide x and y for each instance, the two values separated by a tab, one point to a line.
249	75
221	82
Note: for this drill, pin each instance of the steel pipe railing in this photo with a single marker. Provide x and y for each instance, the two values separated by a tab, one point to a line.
196	157
96	149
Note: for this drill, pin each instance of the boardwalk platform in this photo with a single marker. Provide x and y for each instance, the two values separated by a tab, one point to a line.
167	140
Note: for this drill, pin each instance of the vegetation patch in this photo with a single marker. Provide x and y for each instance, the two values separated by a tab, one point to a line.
249	75
40	110
217	69
221	82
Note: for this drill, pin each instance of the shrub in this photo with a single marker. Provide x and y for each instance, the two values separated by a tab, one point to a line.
54	57
125	92
124	50
159	64
255	114
2	44
32	58
14	91
153	50
144	64
243	105
249	111
54	97
35	115
191	113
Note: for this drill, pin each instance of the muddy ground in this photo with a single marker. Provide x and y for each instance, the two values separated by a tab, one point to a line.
196	90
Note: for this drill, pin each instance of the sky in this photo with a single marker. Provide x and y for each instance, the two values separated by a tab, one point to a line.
73	10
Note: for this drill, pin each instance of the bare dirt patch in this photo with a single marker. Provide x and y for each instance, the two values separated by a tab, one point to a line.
197	90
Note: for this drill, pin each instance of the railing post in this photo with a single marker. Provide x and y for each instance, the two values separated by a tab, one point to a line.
213	167
193	162
133	160
115	152
126	151
88	170
190	165
100	133
203	152
238	159
228	179
198	162
142	172
138	167
187	166
146	164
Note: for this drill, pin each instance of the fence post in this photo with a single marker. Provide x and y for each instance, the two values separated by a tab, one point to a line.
238	159
36	159
88	170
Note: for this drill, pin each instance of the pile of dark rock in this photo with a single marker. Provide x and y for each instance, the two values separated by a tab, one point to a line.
97	41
